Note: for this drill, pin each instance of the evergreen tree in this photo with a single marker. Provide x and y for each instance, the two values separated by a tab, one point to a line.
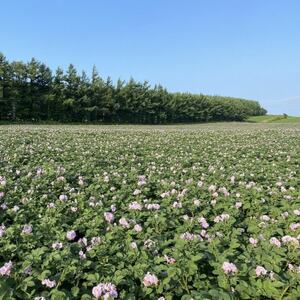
29	92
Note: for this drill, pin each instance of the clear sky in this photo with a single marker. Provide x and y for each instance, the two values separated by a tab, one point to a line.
248	49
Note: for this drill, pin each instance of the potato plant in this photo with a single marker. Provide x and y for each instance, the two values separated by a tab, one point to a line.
125	212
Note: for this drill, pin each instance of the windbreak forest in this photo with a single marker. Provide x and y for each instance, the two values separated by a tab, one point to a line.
32	92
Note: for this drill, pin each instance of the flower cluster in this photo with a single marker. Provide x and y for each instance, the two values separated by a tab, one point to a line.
105	290
150	279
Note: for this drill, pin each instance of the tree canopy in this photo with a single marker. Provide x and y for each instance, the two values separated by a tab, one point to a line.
32	92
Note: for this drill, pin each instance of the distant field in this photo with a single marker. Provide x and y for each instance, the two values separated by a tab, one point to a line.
274	119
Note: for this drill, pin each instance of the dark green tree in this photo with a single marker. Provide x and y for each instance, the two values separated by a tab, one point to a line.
29	92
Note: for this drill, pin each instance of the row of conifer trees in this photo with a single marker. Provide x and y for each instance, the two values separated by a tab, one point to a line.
32	92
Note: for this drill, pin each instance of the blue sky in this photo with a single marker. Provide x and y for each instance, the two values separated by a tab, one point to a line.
248	49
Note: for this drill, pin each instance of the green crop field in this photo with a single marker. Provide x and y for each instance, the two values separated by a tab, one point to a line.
206	211
274	119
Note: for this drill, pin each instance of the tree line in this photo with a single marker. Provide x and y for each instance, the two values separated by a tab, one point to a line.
32	92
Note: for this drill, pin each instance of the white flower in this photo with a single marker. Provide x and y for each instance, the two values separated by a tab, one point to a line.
150	279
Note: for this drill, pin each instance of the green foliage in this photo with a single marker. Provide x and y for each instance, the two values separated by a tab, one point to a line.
31	92
274	119
189	171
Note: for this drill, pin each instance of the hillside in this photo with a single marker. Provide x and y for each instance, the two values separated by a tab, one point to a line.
274	119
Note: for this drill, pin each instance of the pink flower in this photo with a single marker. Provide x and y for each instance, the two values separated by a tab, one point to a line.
141	180
203	222
275	241
5	270
294	226
170	260
189	181
2	181
187	236
260	271
63	197
150	279
135	206
229	268
97	291
60	178
165	194
200	184
15	208
294	268
49	283
39	171
173	192
136	192
182	193
83	241
238	205
133	245
2	230
71	235
80	180
213	202
221	218
203	232
82	255
253	241
95	240
215	195
109	217
297	212
288	239
107	290
57	245
149	244
177	204
212	188
123	222
155	206
27	229
265	218
4	206
138	228
51	205
152	206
